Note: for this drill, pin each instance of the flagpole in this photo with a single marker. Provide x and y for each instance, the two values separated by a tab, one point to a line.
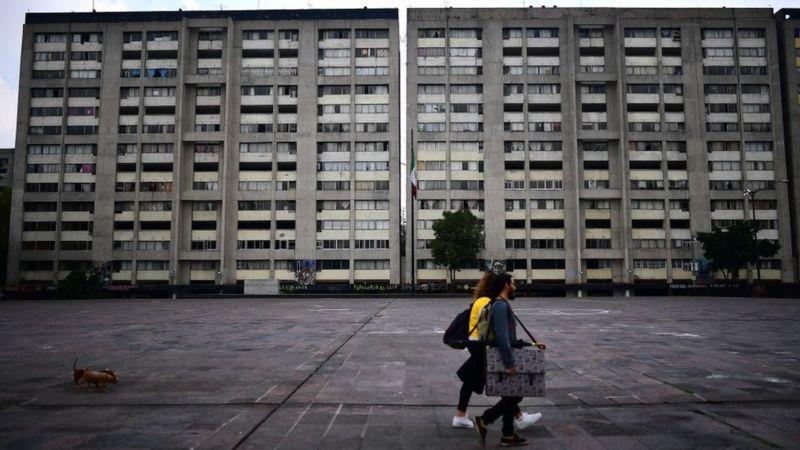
412	225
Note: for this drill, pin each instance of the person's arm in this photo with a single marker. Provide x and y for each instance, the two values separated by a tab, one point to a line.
500	326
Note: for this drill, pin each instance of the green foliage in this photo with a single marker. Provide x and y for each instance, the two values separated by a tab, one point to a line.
5	212
768	249
729	251
89	283
458	239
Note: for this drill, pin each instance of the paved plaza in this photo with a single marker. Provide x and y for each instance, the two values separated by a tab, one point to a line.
368	373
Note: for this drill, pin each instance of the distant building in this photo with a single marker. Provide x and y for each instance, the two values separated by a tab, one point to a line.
209	146
595	143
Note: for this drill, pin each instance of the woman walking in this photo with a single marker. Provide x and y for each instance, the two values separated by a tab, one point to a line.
502	290
473	372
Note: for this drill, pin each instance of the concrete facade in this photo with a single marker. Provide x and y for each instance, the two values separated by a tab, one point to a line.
788	23
208	146
608	137
6	166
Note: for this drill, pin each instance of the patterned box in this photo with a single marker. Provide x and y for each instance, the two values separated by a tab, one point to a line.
529	380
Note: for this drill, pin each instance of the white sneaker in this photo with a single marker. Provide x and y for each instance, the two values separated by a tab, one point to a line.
526	420
462	422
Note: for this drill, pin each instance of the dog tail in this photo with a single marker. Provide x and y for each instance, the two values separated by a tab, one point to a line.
74	364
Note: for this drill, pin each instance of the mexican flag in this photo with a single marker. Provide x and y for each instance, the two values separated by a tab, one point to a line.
412	176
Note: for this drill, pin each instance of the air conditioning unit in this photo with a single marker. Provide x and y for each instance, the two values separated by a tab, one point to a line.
676	36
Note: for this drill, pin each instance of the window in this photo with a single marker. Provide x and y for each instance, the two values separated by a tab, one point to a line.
430	33
649	263
544	146
83	38
333	264
755	89
333	185
466	89
598	243
49	37
380	33
643	89
255	147
549	244
48	56
336	147
334	34
431	89
152	265
757	146
545	88
371	264
371	146
542	32
640	32
162	36
47	92
717	33
546	185
465	33
372	89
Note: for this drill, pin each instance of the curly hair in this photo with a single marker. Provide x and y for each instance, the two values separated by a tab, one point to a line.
483	285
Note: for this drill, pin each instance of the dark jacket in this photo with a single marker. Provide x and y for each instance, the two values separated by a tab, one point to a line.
505	330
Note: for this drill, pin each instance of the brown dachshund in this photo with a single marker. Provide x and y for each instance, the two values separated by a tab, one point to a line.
99	379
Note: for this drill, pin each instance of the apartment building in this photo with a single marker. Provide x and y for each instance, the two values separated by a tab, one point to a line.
595	143
208	146
6	166
788	24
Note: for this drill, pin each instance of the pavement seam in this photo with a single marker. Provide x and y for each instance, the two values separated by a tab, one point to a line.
314	372
739	429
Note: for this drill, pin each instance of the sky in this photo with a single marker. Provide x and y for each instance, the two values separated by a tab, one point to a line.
13	17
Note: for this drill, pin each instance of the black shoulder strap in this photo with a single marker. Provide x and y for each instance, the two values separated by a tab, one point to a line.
523	327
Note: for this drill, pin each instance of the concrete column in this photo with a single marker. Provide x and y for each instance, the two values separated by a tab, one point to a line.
306	220
494	156
229	159
105	169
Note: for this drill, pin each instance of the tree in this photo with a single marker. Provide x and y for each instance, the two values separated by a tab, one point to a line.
458	237
730	250
79	283
5	212
88	282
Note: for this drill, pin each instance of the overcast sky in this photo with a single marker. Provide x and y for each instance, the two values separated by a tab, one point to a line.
14	16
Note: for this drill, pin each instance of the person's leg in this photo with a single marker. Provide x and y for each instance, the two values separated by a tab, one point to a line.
494	412
463	399
509	410
465	393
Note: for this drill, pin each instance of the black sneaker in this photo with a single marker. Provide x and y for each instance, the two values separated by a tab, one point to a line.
512	441
480	428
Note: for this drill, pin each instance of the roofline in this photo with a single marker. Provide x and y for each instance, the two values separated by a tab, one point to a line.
556	12
176	16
